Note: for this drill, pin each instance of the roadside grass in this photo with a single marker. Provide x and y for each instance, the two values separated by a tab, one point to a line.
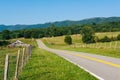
12	57
104	52
44	65
97	48
12	60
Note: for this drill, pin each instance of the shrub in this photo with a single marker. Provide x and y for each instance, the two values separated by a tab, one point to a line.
118	37
4	43
88	34
105	39
6	35
68	40
113	38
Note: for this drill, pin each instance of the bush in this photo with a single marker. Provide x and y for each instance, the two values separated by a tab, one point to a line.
105	39
4	43
118	37
113	38
5	34
88	34
68	40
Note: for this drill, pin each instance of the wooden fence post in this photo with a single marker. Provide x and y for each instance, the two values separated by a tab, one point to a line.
115	44
105	45
30	49
110	44
93	45
99	45
27	53
17	65
6	68
22	63
96	45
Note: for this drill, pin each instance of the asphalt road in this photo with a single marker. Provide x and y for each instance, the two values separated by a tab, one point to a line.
102	67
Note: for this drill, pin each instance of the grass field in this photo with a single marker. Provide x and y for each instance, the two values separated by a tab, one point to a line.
106	49
44	65
12	58
12	53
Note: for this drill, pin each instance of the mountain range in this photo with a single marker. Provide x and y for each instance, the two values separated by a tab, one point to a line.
66	23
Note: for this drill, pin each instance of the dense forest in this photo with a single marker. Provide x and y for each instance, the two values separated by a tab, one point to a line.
58	31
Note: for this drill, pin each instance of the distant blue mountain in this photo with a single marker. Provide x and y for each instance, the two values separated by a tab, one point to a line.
66	23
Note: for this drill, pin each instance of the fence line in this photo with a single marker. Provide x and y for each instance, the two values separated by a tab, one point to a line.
24	55
111	45
22	63
17	64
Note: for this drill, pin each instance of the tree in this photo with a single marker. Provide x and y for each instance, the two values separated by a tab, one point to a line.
69	32
52	31
27	34
40	35
6	34
4	43
34	34
68	40
118	37
87	35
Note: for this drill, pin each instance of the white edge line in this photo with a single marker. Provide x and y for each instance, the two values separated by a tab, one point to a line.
83	68
80	67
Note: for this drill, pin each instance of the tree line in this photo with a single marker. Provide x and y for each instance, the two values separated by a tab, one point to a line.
88	36
53	30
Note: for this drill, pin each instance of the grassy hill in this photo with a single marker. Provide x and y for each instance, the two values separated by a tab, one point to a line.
107	49
66	23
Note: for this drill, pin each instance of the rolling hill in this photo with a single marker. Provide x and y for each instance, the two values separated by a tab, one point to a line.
66	23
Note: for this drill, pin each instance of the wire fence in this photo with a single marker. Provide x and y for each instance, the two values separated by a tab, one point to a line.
17	65
106	45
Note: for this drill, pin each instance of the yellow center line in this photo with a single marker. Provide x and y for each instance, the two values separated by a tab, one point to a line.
97	60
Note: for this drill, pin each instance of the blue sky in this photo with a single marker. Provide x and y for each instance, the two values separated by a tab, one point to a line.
41	11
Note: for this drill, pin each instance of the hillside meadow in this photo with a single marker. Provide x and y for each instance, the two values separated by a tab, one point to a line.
111	49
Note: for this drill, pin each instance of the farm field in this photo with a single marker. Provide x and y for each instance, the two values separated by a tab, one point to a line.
111	49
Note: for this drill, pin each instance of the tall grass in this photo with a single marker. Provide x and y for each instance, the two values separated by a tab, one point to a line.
106	49
44	65
12	58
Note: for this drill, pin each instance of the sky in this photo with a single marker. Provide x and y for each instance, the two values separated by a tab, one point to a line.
14	12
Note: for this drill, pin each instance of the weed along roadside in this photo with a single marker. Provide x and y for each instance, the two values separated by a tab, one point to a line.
94	64
13	61
44	65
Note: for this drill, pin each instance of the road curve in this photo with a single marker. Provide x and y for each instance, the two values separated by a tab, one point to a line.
102	67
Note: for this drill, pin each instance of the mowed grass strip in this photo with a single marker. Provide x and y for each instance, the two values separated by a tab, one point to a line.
44	65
